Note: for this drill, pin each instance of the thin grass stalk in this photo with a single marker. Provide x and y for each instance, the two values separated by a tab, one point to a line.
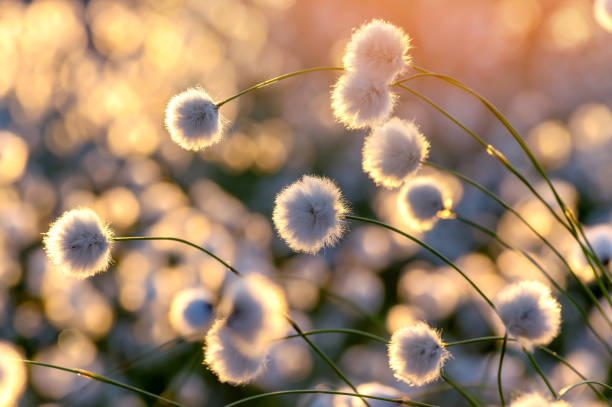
564	391
540	372
500	389
340	331
460	390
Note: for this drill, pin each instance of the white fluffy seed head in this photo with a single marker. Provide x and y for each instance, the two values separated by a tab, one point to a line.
226	356
254	309
193	120
79	243
191	312
308	214
416	354
12	375
393	152
600	238
421	200
377	390
360	101
535	400
529	312
378	48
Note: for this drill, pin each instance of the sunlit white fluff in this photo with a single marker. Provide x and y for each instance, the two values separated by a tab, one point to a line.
193	119
378	48
308	214
79	243
603	13
228	359
393	152
377	390
191	312
600	238
535	400
416	354
12	375
253	309
359	101
421	200
529	312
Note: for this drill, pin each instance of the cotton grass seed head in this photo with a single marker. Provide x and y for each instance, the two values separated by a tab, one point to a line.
421	200
191	312
232	363
377	390
12	375
416	354
308	214
79	243
529	312
378	48
360	101
393	152
535	400
193	120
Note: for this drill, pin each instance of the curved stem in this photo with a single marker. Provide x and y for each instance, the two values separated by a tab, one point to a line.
340	393
103	379
427	247
499	371
540	372
277	79
459	389
573	386
176	239
474	340
340	331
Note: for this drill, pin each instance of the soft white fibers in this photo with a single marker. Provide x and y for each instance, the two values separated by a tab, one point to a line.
377	390
393	152
379	49
308	214
535	400
12	375
79	243
421	200
193	119
416	354
191	311
529	312
359	101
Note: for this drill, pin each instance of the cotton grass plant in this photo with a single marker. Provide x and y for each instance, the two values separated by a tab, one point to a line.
251	316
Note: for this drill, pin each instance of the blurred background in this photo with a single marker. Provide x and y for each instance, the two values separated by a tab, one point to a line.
83	88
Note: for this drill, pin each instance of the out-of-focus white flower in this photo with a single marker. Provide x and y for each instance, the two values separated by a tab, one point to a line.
600	238
12	375
379	49
359	101
393	152
535	400
529	312
416	354
420	202
603	13
377	390
79	243
231	363
193	120
308	214
191	312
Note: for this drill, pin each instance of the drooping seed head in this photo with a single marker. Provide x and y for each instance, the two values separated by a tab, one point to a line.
421	200
79	243
191	312
308	214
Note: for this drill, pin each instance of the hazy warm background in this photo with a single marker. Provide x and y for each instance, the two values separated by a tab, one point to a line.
83	88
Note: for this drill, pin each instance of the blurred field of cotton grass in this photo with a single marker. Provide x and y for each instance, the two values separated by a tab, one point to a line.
178	229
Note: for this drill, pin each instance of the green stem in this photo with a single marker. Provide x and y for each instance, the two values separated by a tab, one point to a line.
104	379
323	356
540	372
427	247
564	391
459	389
340	331
474	340
277	79
340	393
176	239
499	371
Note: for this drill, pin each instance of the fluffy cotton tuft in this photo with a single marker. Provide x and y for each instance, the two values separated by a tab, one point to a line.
228	359
377	390
193	120
535	400
79	243
421	200
308	214
12	375
359	101
379	49
529	312
393	152
416	354
191	312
